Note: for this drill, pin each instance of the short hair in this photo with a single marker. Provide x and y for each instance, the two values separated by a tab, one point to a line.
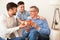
11	5
20	3
37	9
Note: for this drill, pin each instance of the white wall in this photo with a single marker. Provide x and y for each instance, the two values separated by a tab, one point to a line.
45	10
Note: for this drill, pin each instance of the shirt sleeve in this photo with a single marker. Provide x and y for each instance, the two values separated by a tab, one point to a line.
11	30
17	15
28	14
45	28
3	27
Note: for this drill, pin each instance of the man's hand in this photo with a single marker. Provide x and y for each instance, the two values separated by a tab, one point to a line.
28	25
21	26
22	22
29	22
35	26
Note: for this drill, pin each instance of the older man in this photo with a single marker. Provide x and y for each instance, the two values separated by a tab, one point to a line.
39	26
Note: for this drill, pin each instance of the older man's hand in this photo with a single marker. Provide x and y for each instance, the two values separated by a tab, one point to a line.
35	26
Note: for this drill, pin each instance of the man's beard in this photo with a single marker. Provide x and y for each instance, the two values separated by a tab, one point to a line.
14	14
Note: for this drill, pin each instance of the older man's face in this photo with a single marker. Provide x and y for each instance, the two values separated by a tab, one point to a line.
33	12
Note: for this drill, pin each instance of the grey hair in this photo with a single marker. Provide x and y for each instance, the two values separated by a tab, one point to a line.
37	9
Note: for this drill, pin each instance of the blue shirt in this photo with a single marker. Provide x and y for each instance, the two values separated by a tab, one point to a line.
42	24
23	16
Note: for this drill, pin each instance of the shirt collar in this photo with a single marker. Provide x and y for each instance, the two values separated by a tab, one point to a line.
29	18
22	13
7	15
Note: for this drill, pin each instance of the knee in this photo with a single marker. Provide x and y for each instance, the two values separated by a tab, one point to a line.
33	33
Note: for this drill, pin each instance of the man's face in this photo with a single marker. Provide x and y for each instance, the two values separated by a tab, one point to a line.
13	11
33	12
21	8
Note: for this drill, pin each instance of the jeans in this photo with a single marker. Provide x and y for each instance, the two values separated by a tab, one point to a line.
35	35
17	38
1	38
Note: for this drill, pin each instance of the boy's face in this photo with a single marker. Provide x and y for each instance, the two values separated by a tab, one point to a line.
21	8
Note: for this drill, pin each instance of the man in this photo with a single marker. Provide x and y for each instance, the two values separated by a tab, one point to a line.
21	15
39	26
7	20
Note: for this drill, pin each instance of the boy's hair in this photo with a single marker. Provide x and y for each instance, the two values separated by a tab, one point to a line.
20	3
11	5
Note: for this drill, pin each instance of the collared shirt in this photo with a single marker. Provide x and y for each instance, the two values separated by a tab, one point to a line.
23	16
6	26
43	25
44	31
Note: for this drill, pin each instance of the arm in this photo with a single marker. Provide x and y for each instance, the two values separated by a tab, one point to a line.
4	29
11	30
3	26
18	18
45	28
